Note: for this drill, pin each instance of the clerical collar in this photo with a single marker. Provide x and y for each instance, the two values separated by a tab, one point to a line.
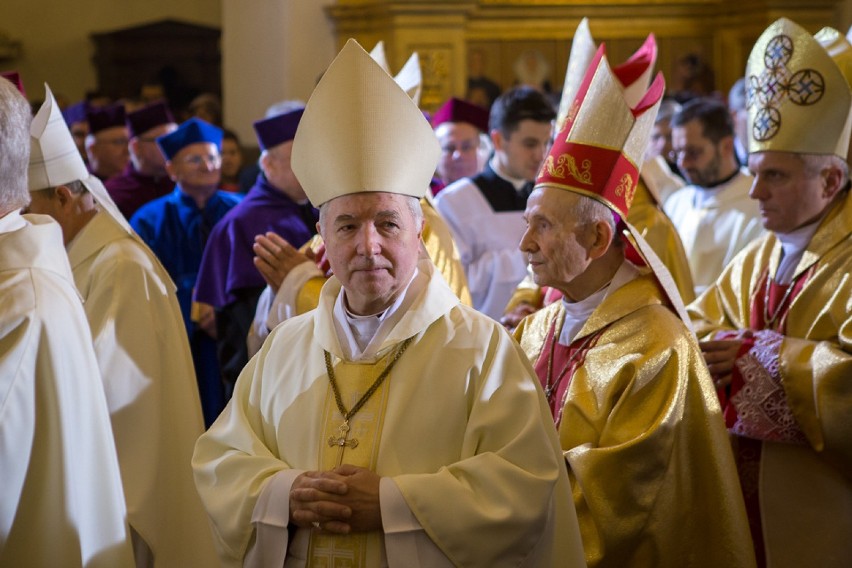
12	222
518	184
576	313
361	337
793	245
724	181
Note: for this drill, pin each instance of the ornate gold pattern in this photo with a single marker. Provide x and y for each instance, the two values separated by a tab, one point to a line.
567	162
626	187
776	83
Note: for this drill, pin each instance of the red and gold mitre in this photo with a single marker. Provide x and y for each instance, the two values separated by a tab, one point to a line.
798	99
599	150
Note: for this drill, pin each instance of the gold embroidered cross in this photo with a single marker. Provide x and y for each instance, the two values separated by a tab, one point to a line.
777	83
341	442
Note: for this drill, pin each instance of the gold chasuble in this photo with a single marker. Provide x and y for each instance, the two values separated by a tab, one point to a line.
651	469
356	443
804	489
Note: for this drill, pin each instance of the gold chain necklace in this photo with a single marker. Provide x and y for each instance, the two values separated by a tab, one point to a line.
769	321
341	441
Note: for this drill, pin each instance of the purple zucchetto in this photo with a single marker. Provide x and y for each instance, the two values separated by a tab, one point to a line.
277	129
457	110
76	113
15	78
105	117
150	116
192	131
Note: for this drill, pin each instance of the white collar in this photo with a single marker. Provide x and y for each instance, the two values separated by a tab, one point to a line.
793	245
12	222
361	336
517	183
576	313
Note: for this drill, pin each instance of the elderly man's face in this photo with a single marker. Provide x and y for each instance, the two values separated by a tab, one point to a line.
197	165
459	151
275	164
373	243
145	153
555	241
109	153
790	194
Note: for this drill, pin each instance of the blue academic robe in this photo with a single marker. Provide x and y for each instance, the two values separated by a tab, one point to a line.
176	230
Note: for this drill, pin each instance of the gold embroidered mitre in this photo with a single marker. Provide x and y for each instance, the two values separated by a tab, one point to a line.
361	132
599	150
798	99
840	50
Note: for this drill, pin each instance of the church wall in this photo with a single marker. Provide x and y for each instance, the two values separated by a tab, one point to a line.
55	35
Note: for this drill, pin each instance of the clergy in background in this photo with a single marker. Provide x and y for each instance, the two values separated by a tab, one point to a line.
777	324
176	227
61	502
144	178
391	426
462	131
228	280
106	142
653	478
140	345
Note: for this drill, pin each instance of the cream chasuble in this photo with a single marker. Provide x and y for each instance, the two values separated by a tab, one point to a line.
458	428
143	355
61	500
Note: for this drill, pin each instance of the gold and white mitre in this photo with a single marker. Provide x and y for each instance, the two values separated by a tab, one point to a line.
361	132
634	74
840	50
55	160
798	99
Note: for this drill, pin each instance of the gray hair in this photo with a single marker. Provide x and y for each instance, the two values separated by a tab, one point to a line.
590	211
413	204
668	108
76	187
15	119
815	163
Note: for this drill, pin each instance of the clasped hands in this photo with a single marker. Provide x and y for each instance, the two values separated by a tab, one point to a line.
340	501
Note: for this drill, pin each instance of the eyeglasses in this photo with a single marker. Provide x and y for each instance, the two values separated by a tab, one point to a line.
464	148
114	141
213	160
688	153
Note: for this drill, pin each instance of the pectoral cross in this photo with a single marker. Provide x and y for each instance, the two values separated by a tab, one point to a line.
341	442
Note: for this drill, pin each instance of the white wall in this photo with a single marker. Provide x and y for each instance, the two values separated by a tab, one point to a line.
273	51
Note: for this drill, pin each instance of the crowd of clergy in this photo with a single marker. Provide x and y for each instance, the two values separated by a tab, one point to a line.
607	327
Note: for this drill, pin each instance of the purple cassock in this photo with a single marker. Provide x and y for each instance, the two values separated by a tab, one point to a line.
228	258
131	189
227	278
